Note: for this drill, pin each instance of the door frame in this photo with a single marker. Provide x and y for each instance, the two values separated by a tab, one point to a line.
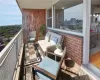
86	30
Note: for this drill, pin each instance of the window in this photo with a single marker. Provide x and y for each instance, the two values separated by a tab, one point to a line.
69	15
49	17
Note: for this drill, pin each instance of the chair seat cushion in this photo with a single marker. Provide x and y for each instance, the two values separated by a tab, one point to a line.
46	65
45	44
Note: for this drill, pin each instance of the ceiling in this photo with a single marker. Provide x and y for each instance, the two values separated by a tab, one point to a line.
36	4
70	3
46	4
95	2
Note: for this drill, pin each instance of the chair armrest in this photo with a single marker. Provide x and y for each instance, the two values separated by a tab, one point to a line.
31	63
44	71
50	53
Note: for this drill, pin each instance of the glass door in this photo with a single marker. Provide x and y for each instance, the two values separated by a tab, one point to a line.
95	34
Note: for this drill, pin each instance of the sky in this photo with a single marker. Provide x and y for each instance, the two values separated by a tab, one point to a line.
74	12
10	13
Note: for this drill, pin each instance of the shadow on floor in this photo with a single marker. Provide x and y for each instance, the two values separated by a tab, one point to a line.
68	77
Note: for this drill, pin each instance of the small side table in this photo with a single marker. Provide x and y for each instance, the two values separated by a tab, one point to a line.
58	53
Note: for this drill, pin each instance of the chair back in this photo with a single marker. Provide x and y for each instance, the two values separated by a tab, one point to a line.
32	34
62	58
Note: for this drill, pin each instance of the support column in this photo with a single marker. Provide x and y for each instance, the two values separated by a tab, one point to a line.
86	30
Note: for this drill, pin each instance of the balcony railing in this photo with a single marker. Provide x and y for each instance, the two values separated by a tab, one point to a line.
9	57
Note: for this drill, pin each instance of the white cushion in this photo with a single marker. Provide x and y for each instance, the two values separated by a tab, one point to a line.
54	40
58	52
56	36
44	44
47	37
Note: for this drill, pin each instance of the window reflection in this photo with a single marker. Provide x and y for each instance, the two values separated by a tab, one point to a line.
69	17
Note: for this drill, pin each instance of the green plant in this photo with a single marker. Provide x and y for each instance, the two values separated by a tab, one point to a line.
42	30
58	46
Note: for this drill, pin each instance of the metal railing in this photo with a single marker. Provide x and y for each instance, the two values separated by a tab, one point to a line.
9	57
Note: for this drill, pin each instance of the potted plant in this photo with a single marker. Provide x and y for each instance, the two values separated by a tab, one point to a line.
42	30
59	47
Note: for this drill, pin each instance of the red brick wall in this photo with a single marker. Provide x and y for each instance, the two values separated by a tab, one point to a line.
32	19
74	47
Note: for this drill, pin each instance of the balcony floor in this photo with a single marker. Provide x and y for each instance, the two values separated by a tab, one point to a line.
95	59
66	74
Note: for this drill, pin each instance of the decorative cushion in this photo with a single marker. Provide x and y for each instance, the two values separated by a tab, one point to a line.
50	41
44	44
54	40
59	37
47	37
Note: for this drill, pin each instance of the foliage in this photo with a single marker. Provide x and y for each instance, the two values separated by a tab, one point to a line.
6	32
42	30
58	46
9	31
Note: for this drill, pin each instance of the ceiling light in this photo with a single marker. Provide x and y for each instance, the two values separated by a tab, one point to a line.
63	7
94	15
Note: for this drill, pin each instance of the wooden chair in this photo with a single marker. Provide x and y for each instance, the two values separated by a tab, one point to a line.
48	69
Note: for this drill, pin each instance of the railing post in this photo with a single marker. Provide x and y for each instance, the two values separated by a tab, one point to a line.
16	42
22	37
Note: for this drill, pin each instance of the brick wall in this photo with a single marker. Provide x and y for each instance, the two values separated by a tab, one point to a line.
32	19
74	47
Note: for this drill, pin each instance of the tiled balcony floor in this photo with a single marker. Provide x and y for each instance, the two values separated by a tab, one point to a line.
66	75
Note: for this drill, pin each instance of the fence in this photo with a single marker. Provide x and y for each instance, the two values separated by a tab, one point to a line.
9	57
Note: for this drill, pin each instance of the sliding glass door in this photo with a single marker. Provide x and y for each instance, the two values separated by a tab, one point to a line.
94	55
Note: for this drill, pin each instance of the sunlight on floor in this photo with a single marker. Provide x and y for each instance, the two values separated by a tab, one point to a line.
95	59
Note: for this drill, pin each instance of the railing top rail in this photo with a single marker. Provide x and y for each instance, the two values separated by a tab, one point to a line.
6	55
2	56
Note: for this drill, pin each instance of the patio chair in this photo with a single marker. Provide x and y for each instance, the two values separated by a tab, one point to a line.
32	36
48	69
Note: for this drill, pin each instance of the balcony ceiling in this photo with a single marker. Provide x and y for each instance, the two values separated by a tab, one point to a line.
45	4
36	4
70	3
95	2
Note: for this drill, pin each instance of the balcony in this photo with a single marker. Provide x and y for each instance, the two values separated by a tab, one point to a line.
73	19
13	56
